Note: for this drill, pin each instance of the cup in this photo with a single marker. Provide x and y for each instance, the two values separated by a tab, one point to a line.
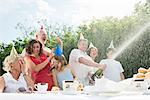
140	85
41	87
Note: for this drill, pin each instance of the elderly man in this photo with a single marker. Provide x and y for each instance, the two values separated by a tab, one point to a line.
42	37
81	62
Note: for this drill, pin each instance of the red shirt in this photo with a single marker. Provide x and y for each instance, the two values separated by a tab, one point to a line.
43	76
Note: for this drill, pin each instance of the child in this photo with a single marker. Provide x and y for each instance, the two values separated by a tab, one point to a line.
61	70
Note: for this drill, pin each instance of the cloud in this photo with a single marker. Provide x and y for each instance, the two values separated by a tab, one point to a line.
44	9
6	6
36	8
87	9
24	11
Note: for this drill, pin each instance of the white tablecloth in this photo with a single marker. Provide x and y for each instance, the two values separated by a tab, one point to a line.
51	96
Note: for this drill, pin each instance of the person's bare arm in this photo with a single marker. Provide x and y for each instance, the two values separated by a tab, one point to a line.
55	78
91	63
122	76
2	84
72	72
37	67
26	76
59	41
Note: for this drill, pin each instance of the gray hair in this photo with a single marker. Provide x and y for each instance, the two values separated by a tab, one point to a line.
85	40
8	60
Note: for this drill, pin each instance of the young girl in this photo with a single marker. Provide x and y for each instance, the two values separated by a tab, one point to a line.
62	70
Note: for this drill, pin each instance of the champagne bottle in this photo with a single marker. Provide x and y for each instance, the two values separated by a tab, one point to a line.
97	74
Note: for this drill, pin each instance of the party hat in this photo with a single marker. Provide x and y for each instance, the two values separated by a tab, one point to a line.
91	45
13	52
111	45
81	36
23	52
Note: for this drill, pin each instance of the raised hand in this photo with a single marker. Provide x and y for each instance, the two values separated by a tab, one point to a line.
24	69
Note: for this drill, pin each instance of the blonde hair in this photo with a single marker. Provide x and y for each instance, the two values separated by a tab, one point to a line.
8	60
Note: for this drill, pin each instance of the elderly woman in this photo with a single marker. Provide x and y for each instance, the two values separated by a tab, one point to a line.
16	76
39	63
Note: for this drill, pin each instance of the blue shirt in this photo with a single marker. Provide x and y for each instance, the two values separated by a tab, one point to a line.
64	75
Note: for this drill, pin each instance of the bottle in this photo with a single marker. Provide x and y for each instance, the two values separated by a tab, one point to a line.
97	74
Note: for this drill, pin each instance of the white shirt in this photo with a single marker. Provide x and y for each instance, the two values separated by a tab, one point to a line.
11	85
80	70
112	70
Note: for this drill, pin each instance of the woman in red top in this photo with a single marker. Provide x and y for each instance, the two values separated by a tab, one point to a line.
39	63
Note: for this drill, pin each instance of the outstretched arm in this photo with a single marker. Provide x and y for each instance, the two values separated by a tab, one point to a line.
91	63
2	84
37	67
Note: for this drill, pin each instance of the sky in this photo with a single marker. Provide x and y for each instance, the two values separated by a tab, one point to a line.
70	12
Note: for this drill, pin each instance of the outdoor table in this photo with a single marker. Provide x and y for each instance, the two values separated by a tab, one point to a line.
62	96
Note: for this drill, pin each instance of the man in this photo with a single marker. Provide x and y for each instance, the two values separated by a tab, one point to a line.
114	70
81	62
42	37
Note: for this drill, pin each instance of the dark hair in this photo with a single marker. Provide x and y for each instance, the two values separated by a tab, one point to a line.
29	48
89	50
61	59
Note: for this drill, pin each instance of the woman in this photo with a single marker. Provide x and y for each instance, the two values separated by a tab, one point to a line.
16	76
92	51
39	63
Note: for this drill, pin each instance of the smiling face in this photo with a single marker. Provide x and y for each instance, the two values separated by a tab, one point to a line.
93	52
42	37
36	48
82	45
